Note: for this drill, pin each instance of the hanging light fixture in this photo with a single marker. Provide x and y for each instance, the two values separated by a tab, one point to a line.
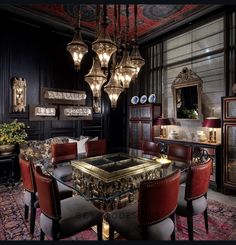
104	46
120	75
135	55
125	70
77	47
96	78
114	87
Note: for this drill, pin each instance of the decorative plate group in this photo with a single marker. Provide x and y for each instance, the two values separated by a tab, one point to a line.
143	99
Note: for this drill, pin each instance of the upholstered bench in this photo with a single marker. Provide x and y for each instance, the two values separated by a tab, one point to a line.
40	151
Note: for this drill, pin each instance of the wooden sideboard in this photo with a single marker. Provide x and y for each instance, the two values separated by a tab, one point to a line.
216	177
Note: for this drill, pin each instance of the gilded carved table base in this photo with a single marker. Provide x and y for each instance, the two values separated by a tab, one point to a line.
113	194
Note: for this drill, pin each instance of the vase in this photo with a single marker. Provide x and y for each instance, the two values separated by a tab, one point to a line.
6	149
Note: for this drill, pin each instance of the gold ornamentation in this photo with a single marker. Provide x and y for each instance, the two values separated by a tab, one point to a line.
19	94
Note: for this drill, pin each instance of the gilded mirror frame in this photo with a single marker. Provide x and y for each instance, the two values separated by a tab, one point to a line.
187	78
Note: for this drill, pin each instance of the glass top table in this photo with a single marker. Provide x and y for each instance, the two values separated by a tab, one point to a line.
112	181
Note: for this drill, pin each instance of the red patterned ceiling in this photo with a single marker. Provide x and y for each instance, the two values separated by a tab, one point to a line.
151	18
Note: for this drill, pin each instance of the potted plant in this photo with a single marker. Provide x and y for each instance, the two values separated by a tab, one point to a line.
11	134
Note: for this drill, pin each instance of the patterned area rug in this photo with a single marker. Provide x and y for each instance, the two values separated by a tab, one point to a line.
222	221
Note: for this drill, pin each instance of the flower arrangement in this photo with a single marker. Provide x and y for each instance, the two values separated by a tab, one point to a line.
12	133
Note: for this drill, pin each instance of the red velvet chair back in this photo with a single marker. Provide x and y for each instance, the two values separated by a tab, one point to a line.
151	148
48	194
178	152
27	175
96	148
64	152
158	198
198	178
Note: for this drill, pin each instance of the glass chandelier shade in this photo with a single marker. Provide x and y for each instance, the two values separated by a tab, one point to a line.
113	89
125	70
104	46
77	48
136	59
96	78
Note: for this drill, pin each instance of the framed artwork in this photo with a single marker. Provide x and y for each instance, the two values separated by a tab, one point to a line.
76	113
42	113
229	108
18	94
62	96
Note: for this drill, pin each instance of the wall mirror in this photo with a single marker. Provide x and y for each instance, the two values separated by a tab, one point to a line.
186	89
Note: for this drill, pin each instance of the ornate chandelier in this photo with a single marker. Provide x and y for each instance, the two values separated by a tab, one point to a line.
77	47
96	78
113	88
104	46
135	56
122	72
126	70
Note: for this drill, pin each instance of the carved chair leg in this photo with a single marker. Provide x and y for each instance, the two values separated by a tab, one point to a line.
32	213
173	233
32	220
111	233
55	230
42	235
99	231
26	211
190	227
206	220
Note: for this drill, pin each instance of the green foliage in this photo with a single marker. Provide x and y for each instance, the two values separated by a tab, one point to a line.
12	133
189	113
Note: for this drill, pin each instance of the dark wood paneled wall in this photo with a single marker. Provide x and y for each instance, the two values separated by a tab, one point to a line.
38	53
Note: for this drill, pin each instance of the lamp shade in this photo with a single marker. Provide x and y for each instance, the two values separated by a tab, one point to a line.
163	121
77	49
212	122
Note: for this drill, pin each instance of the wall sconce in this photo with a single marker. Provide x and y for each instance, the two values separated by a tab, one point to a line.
163	122
212	123
19	94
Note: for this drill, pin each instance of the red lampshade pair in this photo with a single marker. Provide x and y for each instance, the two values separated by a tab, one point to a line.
211	122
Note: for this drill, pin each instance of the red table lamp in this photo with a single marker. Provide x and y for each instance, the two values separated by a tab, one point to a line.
212	123
163	122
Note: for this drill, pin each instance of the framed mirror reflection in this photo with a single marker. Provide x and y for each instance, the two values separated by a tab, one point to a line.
186	89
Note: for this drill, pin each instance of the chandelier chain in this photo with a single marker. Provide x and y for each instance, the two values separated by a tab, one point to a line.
78	16
135	22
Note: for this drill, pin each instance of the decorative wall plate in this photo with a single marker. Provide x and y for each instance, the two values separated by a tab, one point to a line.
152	98
143	99
135	100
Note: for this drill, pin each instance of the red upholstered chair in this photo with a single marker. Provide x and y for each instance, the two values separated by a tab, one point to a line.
193	197
180	153
150	149
63	153
30	191
182	157
62	219
30	195
152	217
96	148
